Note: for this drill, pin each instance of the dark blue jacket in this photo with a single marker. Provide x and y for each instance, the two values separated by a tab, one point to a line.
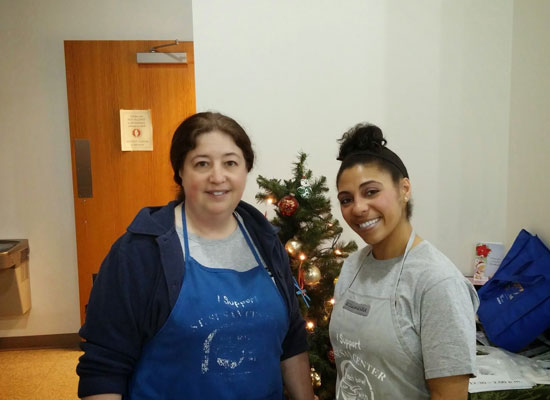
138	285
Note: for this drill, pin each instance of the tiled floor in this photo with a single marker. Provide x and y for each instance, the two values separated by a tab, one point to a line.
38	374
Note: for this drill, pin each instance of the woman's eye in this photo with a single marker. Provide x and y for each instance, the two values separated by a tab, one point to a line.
371	192
201	164
345	201
231	163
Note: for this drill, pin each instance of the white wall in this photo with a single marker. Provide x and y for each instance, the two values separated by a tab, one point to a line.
435	75
529	163
36	200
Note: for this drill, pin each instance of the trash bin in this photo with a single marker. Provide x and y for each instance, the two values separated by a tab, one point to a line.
15	289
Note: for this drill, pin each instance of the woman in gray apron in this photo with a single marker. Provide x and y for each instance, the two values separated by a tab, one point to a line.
403	325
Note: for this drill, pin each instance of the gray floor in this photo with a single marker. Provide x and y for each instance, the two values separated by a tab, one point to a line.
38	374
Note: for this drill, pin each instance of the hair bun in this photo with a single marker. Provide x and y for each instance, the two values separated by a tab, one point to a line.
362	137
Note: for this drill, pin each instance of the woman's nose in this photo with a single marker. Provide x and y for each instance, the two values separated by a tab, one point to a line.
360	207
217	174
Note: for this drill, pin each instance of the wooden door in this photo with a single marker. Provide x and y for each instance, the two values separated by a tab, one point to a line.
103	77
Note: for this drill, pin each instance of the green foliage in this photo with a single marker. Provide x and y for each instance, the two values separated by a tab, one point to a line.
319	232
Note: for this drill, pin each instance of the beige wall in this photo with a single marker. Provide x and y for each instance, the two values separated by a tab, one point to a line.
36	200
529	162
435	75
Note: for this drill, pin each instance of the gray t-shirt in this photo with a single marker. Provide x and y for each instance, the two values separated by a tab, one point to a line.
435	306
231	252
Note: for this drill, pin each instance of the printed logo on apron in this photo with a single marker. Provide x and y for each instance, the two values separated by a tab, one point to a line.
354	383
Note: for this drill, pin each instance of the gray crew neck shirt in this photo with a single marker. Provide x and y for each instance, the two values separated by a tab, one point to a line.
231	252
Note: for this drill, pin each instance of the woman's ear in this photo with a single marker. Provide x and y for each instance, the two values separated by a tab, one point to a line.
181	173
406	189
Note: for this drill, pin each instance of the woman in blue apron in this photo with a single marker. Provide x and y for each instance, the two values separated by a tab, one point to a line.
195	301
403	322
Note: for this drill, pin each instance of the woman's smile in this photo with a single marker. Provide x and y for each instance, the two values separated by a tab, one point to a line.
369	224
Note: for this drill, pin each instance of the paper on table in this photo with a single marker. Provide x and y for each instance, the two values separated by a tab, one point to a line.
492	375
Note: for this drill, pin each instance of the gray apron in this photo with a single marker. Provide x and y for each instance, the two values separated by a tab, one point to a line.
371	360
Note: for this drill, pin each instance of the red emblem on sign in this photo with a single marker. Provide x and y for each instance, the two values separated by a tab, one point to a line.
136	133
483	250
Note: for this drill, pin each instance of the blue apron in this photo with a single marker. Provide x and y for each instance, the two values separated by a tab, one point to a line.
222	340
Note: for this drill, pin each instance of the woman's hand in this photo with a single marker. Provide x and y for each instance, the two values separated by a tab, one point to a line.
449	387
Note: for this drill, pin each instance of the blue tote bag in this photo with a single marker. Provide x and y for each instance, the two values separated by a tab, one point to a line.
515	303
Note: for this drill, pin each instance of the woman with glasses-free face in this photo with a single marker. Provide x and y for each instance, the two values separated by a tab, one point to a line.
196	300
374	207
213	178
403	319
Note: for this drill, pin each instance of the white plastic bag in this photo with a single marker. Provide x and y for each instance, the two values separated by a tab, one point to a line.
499	369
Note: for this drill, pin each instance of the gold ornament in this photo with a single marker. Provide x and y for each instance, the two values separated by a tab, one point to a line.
312	276
315	378
335	280
293	246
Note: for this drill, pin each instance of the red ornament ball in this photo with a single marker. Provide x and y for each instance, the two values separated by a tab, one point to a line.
288	205
331	356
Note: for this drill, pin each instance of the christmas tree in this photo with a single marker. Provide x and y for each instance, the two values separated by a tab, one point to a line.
311	237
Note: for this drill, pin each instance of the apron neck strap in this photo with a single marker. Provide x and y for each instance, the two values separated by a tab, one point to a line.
409	243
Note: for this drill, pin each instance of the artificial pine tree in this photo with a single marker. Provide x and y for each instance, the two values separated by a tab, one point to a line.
311	236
